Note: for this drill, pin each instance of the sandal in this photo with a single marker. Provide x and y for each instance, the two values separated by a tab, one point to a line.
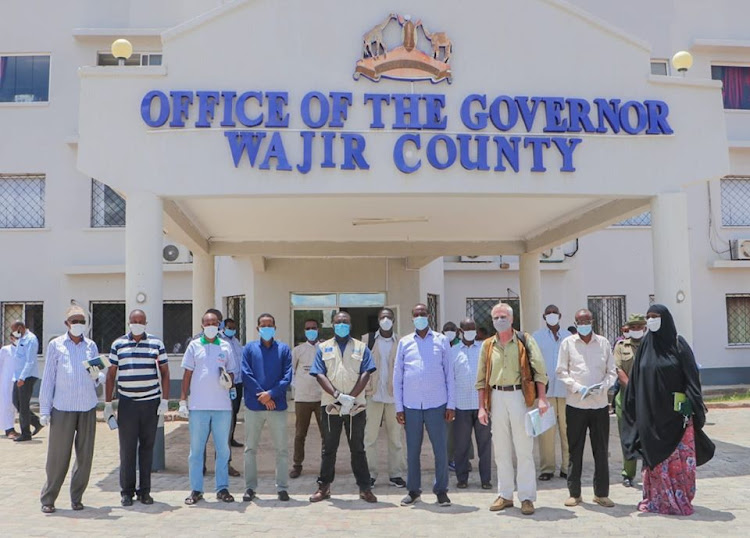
225	496
193	498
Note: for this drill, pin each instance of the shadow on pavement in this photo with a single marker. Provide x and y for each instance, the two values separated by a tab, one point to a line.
701	514
104	513
452	509
358	504
543	513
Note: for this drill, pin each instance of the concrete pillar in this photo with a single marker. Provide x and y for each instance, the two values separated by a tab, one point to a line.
669	232
144	243
249	290
531	292
203	287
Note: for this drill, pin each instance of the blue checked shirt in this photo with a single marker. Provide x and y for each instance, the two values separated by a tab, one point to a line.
67	385
465	363
422	373
550	350
24	361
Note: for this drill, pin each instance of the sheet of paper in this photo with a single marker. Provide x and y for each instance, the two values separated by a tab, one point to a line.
536	423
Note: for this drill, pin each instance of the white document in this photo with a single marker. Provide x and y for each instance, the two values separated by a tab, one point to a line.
593	389
536	423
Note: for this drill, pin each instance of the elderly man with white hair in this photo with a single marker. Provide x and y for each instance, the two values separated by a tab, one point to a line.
511	375
67	402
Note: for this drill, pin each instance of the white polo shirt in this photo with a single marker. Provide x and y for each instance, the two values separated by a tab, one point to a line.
205	360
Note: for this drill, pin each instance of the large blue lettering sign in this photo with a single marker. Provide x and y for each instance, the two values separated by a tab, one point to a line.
500	129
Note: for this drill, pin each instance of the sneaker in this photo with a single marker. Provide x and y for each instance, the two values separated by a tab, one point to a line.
501	504
372	482
573	501
283	495
452	466
411	498
443	500
397	481
627	482
248	496
604	501
368	496
462	485
527	508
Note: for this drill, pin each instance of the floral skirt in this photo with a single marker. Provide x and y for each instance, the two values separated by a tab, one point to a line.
669	488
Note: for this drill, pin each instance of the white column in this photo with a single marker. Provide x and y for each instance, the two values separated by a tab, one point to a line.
669	232
531	291
143	257
203	287
249	287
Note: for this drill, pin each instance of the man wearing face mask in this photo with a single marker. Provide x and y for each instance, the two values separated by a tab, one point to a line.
450	331
380	403
7	411
138	359
549	338
423	388
25	375
67	401
209	367
510	377
624	354
266	374
586	366
230	335
306	393
342	367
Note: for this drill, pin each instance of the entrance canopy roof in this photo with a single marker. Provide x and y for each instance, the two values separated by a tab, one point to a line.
264	135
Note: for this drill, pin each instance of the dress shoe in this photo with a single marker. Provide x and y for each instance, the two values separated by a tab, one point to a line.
487	485
627	482
236	444
283	495
368	496
126	500
11	434
501	504
233	471
604	501
545	476
527	508
36	430
145	498
76	506
22	438
563	475
323	493
295	472
462	485
573	501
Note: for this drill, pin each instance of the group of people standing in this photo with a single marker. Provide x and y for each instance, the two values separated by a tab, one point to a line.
419	382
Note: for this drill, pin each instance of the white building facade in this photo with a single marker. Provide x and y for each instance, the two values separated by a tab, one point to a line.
244	158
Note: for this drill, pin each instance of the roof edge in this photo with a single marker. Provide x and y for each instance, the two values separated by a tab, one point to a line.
196	22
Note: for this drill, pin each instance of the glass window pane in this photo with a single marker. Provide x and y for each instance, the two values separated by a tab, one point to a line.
107	324
738	319
314	300
24	79
21	201
736	85
361	299
658	68
178	325
735	201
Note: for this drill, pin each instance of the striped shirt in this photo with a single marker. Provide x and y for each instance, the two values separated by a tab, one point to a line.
465	364
66	385
137	364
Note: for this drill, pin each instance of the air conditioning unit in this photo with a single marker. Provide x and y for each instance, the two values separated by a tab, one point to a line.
552	255
175	253
477	259
739	249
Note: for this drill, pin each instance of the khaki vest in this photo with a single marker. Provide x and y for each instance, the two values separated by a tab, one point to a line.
342	371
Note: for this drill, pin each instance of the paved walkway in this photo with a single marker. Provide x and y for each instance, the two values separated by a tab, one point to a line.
722	503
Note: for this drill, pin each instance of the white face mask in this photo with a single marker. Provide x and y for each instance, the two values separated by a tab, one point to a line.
637	334
502	324
653	324
16	334
386	324
552	319
470	336
77	329
450	335
211	331
137	329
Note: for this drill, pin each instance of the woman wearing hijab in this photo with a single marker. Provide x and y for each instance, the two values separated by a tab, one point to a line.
664	378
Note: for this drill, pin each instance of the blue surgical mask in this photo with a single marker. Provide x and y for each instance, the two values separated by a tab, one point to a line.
229	333
342	329
267	333
421	323
584	330
311	334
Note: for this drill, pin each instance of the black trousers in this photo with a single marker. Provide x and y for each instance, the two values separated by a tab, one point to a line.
597	423
137	422
236	403
355	434
466	422
22	402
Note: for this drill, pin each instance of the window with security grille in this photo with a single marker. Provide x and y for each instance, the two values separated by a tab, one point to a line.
31	313
24	78
644	219
609	315
22	200
738	319
735	201
107	207
433	311
480	309
178	325
108	323
235	309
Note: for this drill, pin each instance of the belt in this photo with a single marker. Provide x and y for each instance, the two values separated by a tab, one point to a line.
506	388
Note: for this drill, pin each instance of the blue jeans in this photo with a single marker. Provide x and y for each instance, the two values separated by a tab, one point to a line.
434	421
217	423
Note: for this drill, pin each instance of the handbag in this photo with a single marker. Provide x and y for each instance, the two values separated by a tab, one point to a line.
704	448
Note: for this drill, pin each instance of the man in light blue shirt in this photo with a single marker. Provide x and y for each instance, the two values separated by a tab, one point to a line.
423	386
549	338
25	375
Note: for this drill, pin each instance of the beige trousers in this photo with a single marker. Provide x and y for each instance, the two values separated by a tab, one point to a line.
378	412
547	440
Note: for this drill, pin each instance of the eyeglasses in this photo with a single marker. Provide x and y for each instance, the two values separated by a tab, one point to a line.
77	321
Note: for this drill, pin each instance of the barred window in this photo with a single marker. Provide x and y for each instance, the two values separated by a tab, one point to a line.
433	311
735	201
609	315
31	313
24	78
178	325
108	323
21	200
480	309
107	207
235	309
738	319
644	219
